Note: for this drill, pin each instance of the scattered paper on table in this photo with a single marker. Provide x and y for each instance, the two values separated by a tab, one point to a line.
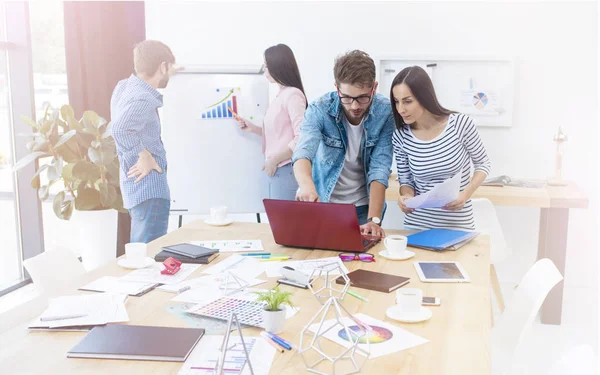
113	284
152	274
439	196
245	267
232	246
306	266
203	359
385	338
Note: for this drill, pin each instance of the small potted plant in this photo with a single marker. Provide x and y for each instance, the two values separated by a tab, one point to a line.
274	312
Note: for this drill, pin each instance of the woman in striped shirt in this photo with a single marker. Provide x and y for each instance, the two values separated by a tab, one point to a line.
431	145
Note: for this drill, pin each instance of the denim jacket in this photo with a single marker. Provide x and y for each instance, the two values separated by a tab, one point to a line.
323	141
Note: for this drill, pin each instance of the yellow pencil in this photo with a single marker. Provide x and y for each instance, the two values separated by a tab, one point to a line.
275	258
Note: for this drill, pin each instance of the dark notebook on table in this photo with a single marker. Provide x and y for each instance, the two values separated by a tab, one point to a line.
163	255
381	282
117	341
189	250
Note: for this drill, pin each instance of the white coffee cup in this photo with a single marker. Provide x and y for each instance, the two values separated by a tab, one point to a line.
218	214
135	252
395	244
409	300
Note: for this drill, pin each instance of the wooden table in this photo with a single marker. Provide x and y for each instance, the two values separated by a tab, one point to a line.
459	331
554	203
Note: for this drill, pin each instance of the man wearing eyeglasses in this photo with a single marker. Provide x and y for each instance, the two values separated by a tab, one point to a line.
344	152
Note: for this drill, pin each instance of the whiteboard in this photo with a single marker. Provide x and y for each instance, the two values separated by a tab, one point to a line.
480	88
211	162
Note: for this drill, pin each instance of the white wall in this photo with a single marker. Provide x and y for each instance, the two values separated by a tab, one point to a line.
554	45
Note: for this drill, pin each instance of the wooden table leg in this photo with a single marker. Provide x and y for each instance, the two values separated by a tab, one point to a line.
554	225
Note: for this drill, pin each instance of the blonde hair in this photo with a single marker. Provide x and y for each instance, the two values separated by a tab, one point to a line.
149	54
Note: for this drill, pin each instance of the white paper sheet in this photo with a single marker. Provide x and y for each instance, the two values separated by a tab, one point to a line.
209	290
386	338
232	246
100	309
245	267
153	275
439	196
113	284
306	266
206	353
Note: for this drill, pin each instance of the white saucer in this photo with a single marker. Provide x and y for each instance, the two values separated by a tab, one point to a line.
395	313
218	224
128	264
407	255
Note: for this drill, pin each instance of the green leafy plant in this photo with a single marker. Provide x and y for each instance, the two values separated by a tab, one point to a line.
82	156
274	298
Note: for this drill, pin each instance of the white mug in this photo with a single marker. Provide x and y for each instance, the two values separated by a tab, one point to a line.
409	300
135	252
395	244
218	214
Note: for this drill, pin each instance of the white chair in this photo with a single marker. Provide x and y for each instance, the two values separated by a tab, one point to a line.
580	360
53	271
486	221
518	316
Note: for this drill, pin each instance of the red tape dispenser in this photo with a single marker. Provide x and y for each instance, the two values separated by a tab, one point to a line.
172	266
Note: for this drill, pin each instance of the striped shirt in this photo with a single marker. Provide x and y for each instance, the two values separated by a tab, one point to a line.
423	164
135	127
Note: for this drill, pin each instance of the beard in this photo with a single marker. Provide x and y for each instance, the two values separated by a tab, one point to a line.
163	82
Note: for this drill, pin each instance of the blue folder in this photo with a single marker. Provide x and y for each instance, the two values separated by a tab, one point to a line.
440	239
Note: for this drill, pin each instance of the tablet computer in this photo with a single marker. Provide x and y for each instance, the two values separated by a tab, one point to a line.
441	272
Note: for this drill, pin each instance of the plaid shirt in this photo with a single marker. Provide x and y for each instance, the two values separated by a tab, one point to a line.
135	127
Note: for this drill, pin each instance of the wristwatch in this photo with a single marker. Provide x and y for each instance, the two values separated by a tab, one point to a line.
374	219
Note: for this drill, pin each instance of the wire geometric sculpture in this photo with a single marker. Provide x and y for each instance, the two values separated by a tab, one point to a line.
311	346
219	369
322	282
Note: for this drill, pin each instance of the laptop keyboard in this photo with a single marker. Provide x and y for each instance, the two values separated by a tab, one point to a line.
366	242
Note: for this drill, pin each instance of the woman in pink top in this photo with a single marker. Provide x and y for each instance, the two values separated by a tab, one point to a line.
282	121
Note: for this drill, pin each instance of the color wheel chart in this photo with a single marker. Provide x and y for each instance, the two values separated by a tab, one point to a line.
378	335
480	100
218	110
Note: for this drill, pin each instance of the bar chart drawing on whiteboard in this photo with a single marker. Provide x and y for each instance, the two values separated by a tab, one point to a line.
218	110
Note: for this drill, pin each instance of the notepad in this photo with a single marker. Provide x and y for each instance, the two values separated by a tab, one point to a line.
381	282
440	239
115	341
189	250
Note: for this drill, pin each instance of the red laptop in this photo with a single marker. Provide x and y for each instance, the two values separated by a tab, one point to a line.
317	225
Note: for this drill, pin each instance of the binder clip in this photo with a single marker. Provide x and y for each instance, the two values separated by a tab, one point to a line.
172	266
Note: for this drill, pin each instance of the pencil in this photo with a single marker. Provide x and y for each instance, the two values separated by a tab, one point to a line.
356	295
274	258
270	341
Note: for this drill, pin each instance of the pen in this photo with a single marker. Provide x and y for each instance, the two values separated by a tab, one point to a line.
275	258
357	296
271	342
278	341
63	317
237	117
254	254
283	341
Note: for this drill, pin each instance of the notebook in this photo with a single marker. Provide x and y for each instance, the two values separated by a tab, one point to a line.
381	282
504	180
116	341
189	250
440	239
160	257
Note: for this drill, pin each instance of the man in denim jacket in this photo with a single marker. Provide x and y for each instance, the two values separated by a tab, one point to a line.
344	153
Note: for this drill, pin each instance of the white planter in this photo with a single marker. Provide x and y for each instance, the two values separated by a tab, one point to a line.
274	321
97	236
89	234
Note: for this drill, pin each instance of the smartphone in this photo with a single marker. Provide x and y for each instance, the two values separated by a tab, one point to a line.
431	301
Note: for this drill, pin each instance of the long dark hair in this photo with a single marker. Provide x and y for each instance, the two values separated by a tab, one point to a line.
417	79
283	67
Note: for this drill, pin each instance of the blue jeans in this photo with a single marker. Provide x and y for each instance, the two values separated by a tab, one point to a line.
149	220
283	184
363	213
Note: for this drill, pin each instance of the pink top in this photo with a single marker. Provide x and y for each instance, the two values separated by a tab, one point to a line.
282	122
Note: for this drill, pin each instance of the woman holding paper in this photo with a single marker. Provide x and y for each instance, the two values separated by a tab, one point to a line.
433	144
281	126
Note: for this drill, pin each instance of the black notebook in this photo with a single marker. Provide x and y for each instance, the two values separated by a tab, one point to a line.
189	250
119	341
163	255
